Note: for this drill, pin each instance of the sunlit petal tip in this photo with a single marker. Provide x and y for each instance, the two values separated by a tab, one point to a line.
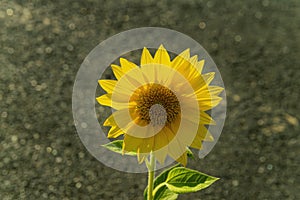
215	91
206	118
220	88
146	57
181	61
123	60
185	54
126	65
208	77
216	100
104	100
107	123
200	65
161	47
161	56
115	66
209	74
110	121
209	137
117	71
194	58
213	122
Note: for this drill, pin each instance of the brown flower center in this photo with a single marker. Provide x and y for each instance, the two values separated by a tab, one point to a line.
155	104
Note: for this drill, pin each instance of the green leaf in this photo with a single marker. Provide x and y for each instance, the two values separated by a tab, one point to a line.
161	191
164	175
116	146
183	180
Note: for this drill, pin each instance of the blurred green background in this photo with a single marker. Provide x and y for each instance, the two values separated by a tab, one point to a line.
255	44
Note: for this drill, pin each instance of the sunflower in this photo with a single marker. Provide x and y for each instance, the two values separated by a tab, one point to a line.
160	106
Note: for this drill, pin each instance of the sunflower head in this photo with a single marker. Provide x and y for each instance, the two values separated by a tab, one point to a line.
160	105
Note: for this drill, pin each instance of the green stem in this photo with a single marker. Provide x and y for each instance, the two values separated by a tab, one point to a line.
151	168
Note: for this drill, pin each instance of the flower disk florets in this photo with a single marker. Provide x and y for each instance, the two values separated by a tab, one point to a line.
156	104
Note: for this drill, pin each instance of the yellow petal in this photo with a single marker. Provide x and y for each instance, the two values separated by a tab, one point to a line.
188	67
182	159
121	118
215	90
186	135
108	85
160	140
208	77
194	60
201	133
114	132
127	83
200	65
162	56
201	81
161	154
192	70
146	57
208	103
150	73
110	121
208	137
146	145
117	71
141	146
161	74
181	59
176	151
131	143
210	91
127	65
135	78
198	83
206	119
175	125
175	148
104	100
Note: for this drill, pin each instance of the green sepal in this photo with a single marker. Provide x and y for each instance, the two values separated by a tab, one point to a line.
116	146
190	154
